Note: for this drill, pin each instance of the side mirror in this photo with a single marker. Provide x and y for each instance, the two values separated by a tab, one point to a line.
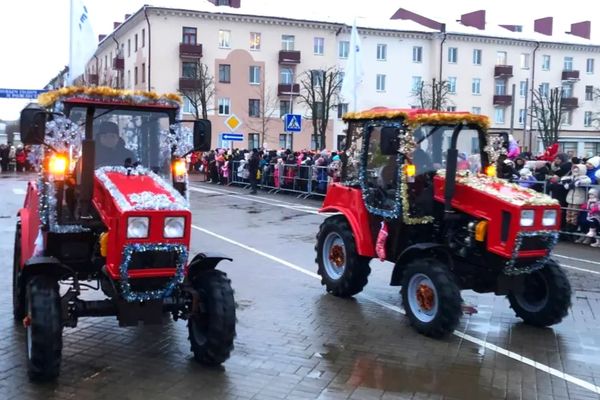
202	135
33	124
389	141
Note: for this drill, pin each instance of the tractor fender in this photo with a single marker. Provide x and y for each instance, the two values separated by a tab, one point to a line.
417	251
205	262
359	222
49	266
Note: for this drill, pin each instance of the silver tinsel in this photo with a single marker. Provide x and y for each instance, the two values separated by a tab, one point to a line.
48	208
133	296
549	237
63	134
182	140
150	201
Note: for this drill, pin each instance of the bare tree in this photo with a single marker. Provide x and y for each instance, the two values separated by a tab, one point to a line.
263	116
548	114
203	89
434	95
320	92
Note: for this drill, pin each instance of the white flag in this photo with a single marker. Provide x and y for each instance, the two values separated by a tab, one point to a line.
353	74
82	40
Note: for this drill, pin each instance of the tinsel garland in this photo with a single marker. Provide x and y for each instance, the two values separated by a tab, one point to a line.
150	203
63	134
408	220
550	237
134	296
108	94
494	149
181	140
47	208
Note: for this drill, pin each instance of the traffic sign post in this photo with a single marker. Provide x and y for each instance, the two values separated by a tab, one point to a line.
233	137
293	122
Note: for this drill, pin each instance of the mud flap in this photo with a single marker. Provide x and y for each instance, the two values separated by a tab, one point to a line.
205	262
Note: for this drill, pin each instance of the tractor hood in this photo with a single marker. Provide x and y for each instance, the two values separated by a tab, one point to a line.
136	189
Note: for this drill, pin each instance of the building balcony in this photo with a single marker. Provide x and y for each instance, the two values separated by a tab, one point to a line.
189	84
502	100
570	75
92	79
503	71
569	102
289	57
284	89
119	63
190	50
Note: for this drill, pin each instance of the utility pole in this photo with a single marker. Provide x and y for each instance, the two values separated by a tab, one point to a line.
525	130
512	111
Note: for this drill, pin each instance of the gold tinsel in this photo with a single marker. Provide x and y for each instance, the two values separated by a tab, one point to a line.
408	220
130	96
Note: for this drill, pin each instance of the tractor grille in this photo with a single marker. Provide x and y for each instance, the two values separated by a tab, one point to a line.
153	260
534	243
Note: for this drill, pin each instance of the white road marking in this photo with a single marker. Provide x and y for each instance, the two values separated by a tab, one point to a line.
580	269
576	259
18	191
510	354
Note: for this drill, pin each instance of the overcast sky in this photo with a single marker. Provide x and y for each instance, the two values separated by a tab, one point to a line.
34	34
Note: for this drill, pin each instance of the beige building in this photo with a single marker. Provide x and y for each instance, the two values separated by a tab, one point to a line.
257	58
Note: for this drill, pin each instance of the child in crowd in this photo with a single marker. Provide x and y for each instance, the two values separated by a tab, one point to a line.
592	206
526	178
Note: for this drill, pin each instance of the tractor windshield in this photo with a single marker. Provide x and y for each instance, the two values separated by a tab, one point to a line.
129	137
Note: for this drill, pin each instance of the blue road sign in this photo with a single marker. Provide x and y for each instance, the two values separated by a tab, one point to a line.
20	93
235	137
293	122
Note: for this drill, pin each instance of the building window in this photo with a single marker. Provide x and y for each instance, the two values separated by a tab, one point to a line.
135	75
587	119
416	84
567	90
501	58
546	62
189	35
315	142
254	41
545	89
567	118
143	37
568	64
452	55
476	110
589	65
522	116
500	87
417	54
343	48
286	76
476	56
135	43
318	46
254	108
452	84
342	109
128	47
381	52
287	42
589	93
476	86
128	78
189	70
285	140
106	62
284	107
143	72
524	61
254	75
317	76
223	3
590	149
187	106
451	108
253	141
499	116
224	39
522	88
224	73
224	105
380	84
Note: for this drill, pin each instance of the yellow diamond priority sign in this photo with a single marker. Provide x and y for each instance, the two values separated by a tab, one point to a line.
233	122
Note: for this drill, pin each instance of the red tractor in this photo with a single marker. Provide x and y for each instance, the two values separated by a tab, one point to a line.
109	212
419	189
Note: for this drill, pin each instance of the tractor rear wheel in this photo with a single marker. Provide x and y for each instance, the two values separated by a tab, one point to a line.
43	336
546	296
431	298
18	296
343	271
212	325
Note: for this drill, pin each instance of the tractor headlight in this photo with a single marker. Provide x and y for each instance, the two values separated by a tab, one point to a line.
527	217
549	217
137	227
174	227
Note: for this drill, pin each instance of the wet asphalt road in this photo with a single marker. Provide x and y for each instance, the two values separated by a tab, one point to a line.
296	342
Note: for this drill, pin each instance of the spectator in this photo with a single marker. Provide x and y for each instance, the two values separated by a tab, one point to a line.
575	183
592	209
253	165
592	165
526	178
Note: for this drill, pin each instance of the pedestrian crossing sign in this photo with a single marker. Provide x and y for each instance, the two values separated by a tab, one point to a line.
293	122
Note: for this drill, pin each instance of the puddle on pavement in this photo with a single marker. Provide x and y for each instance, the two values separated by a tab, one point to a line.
288	217
243	304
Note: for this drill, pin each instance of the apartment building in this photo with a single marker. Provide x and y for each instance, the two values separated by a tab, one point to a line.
258	58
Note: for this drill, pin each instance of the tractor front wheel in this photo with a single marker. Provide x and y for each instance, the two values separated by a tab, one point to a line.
211	325
17	293
545	297
43	322
343	271
431	298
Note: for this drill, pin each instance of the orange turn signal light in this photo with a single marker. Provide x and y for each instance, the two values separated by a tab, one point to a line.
490	170
410	170
179	167
58	165
480	231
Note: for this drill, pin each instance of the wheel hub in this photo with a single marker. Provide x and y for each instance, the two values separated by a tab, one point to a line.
425	297
336	255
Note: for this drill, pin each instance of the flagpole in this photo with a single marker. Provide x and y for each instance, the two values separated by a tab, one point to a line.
355	71
68	81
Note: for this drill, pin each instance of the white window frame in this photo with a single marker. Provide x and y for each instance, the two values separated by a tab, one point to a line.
568	63
318	46
224	107
417	54
476	86
415	86
522	88
477	56
544	89
343	49
501	57
288	42
286	76
452	84
524	60
499	116
452	55
588	117
254	75
546	62
522	116
381	52
224	39
589	66
380	83
255	40
476	110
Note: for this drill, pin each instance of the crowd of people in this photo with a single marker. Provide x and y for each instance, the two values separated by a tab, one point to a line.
14	158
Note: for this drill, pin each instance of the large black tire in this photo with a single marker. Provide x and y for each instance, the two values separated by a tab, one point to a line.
212	327
18	296
546	296
43	337
343	271
431	298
